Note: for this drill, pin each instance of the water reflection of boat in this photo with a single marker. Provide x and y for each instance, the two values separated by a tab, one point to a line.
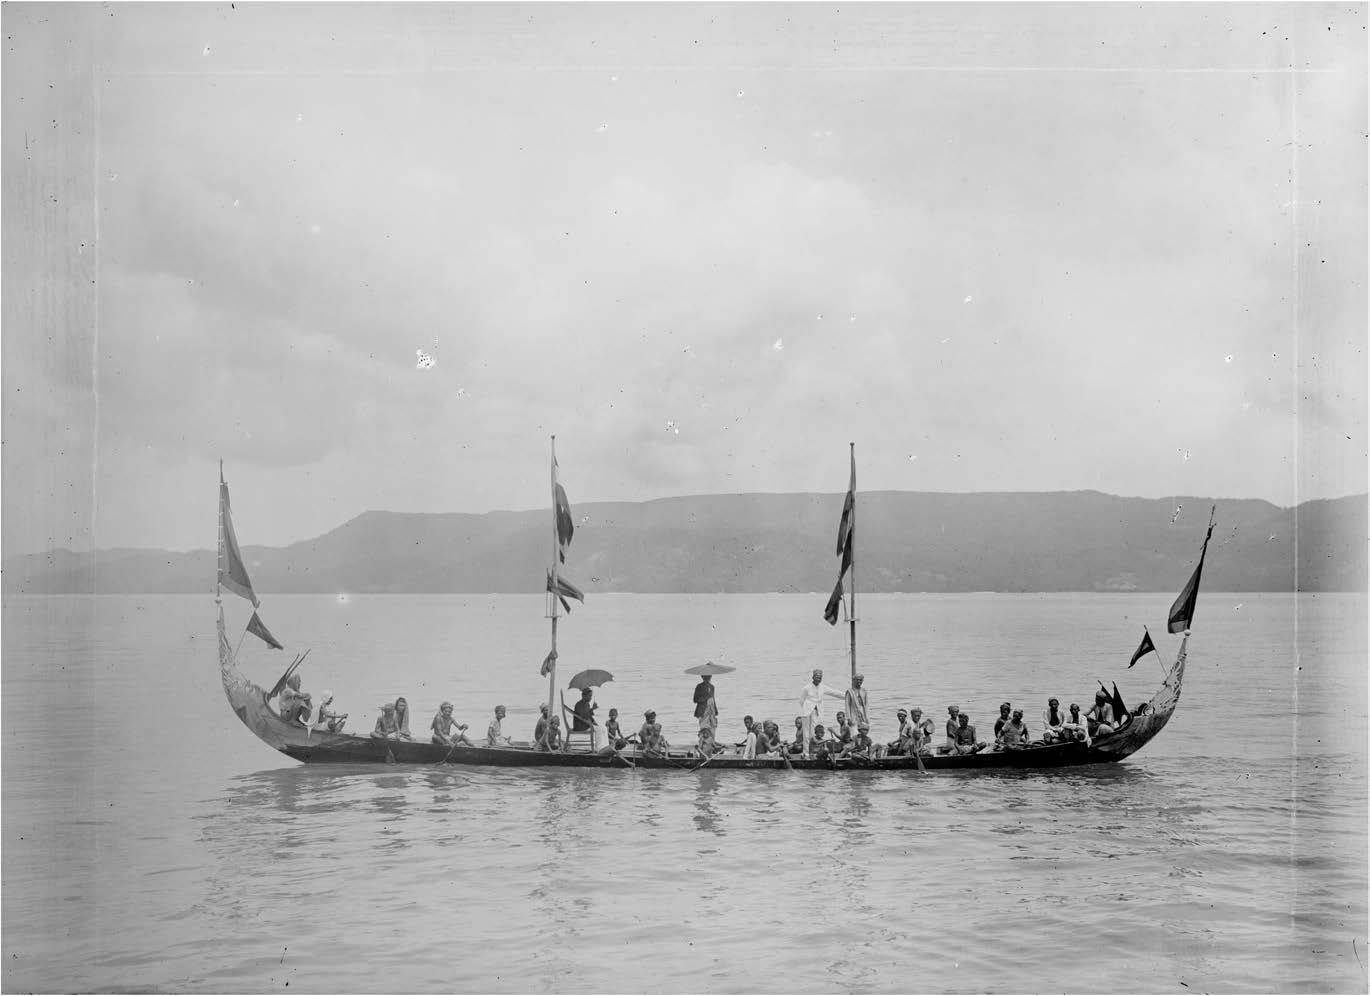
251	703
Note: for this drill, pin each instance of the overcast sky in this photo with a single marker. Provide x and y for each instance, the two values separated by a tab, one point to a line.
1024	247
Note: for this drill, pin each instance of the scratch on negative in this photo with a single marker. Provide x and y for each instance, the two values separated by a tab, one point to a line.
1357	954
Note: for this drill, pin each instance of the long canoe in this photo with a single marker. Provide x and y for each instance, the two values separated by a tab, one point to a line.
250	702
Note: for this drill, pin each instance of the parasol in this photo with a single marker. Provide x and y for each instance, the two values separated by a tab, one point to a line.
710	667
590	679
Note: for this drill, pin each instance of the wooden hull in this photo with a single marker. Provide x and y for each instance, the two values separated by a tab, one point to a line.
249	703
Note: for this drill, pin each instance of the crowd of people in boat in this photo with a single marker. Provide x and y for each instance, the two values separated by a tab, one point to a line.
847	736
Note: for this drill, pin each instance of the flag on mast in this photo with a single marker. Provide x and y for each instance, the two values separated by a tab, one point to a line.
1182	612
564	589
232	570
1146	647
566	527
257	628
846	538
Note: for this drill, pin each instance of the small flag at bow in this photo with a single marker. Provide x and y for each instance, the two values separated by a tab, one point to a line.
1146	647
257	628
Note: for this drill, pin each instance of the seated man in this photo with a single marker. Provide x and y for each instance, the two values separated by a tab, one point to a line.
771	735
446	730
899	745
656	744
707	746
861	746
644	732
552	740
1075	726
922	727
747	724
584	713
612	732
822	743
329	721
1014	735
295	705
494	734
952	727
966	742
1052	722
796	745
1004	710
751	745
1100	717
842	731
387	727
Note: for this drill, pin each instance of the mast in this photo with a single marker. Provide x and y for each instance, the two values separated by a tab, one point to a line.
851	613
556	549
218	589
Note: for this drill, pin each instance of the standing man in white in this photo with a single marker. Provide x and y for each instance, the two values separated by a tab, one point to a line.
811	706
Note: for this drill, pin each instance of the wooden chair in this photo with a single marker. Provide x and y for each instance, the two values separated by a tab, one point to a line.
568	719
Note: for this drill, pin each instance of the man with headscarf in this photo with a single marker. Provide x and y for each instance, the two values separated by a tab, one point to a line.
811	705
329	721
295	705
494	734
857	707
644	733
386	727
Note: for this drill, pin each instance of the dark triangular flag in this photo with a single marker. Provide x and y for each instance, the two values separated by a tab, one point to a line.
1147	647
232	571
830	610
257	628
844	525
564	590
548	663
1182	612
1119	709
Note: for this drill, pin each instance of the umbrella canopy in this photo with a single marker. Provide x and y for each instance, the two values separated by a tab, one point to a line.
590	679
710	668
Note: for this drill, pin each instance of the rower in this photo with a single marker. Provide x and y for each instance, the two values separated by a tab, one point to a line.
1100	718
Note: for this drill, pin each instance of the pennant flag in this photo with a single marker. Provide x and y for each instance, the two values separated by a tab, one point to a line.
232	571
565	589
1147	647
566	527
548	663
846	545
1182	612
1119	709
257	628
830	610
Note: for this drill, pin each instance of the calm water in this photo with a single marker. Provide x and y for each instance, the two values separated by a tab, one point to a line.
157	845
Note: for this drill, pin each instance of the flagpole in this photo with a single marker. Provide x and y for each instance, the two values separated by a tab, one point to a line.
852	541
556	548
1157	651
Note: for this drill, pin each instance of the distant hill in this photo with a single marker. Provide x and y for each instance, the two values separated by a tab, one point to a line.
906	541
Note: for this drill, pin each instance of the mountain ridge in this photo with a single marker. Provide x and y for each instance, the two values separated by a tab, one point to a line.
765	541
